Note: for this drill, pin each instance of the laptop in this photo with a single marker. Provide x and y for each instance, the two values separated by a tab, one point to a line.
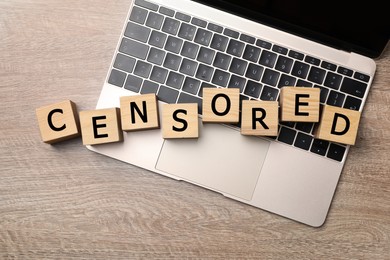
177	48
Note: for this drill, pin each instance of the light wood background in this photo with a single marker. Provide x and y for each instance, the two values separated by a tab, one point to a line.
64	201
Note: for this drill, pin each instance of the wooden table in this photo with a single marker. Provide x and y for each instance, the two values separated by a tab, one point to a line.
64	201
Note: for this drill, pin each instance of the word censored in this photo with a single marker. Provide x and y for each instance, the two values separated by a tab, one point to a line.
61	121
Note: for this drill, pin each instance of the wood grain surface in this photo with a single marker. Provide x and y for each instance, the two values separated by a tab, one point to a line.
63	201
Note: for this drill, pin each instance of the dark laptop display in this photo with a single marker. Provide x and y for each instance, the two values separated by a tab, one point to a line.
345	25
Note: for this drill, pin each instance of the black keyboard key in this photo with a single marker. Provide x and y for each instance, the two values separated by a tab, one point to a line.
353	87
215	28
204	72
296	55
280	49
254	71
269	94
303	83
124	62
198	22
190	50
284	64
361	76
133	83
270	77
203	37
147	5
304	126
186	98
155	20
173	44
138	15
117	78
251	53
175	80
336	152
159	74
235	48
222	61
319	146
303	141
191	85
300	69
333	80
312	60
335	98
170	26
183	17
238	66
137	32
328	66
253	89
220	78
316	75
286	81
206	55
352	103
187	31
219	42
167	11
188	67
157	39
167	94
156	56
263	44
142	69
286	135
268	58
149	87
133	48
323	93
231	33
172	61
237	82
345	71
247	38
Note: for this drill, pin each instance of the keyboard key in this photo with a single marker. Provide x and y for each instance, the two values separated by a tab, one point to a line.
172	61
300	69
280	49
188	67
296	55
187	31
238	66
191	85
254	71
268	59
167	94
198	22
173	44
286	135
189	50
147	5
335	98
316	75
269	94
319	146
219	42
124	62
251	53
215	28
231	33
284	64
142	69
156	56
222	61
253	89
362	77
159	74
247	38
312	60
155	20
149	87
336	152
237	82
220	78
170	26
157	39
323	93
117	78
286	81
303	83
303	141
138	15
353	87
263	44
183	17
133	48
235	48
204	72
270	77
206	55
328	65
304	126
175	80
333	80
133	83
352	103
186	98
345	71
203	37
137	32
167	11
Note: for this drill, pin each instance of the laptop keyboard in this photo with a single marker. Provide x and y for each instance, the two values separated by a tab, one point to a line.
176	55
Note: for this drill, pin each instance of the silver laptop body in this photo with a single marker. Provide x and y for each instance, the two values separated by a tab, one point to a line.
263	172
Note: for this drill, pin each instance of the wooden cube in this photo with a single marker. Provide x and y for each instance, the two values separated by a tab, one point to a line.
221	105
259	118
58	122
300	104
338	125
101	126
180	121
139	112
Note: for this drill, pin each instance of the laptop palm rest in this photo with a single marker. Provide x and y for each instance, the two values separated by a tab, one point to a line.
215	160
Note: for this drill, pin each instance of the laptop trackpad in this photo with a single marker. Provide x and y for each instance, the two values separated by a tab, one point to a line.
220	159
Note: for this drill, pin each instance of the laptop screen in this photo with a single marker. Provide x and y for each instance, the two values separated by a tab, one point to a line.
361	27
